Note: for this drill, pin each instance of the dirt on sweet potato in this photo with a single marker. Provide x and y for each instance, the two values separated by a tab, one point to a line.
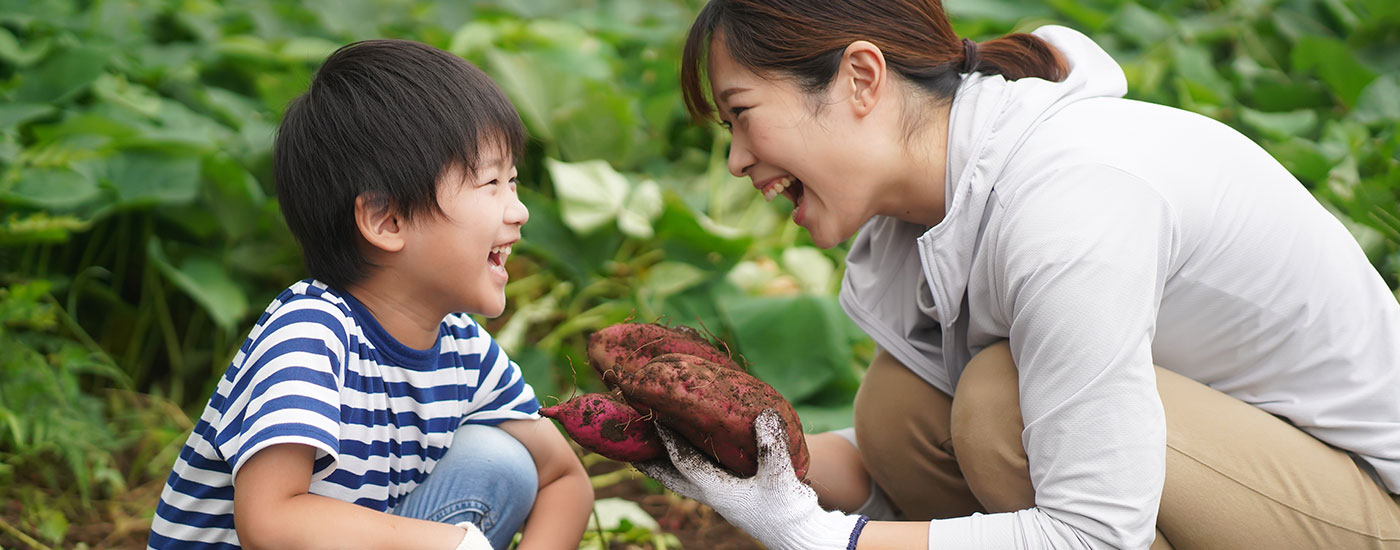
605	424
622	348
712	407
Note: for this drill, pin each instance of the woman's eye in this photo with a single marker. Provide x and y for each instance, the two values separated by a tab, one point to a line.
734	112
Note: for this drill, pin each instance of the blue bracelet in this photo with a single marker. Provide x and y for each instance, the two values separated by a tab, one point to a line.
855	533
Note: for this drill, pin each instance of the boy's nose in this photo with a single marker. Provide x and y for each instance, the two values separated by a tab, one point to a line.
517	212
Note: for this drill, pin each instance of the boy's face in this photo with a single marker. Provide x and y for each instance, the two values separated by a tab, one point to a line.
460	255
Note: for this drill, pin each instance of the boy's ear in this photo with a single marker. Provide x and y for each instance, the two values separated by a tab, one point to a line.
379	223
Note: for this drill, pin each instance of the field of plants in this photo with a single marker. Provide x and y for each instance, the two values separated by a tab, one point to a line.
139	236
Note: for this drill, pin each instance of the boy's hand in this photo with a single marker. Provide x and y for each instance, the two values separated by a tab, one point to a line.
474	539
773	506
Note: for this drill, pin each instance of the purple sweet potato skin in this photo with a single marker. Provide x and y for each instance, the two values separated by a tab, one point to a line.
626	347
604	424
714	408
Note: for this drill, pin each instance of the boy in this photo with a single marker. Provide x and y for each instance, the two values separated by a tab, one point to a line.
365	410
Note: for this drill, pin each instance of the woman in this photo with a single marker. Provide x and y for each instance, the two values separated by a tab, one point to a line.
1028	245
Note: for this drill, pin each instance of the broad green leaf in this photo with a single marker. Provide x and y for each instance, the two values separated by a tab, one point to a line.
590	193
1193	63
307	49
576	256
13	114
62	75
794	343
667	278
1141	26
1335	63
688	236
1303	158
1002	11
1379	102
811	267
644	205
203	278
142	177
609	513
54	189
1280	125
13	52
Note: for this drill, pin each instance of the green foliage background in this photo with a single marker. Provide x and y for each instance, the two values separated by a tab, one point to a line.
139	237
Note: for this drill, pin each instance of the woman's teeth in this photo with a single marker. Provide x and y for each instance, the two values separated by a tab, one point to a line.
777	188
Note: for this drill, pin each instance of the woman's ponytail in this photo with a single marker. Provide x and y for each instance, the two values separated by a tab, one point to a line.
1020	55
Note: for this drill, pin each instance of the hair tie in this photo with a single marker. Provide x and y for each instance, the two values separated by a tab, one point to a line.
970	59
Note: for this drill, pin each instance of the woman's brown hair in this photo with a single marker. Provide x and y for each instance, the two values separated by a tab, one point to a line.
805	39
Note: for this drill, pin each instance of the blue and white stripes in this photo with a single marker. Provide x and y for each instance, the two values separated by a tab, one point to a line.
318	370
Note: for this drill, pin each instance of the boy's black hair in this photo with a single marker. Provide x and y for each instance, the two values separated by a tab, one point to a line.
384	119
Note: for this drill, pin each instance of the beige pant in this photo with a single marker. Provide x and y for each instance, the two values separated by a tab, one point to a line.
1236	477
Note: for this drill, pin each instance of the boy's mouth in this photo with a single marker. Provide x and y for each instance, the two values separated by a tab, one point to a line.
497	256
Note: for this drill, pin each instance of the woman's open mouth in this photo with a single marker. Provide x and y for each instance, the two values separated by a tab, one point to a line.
789	187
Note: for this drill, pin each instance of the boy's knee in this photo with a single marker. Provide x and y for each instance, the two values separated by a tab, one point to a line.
491	453
986	429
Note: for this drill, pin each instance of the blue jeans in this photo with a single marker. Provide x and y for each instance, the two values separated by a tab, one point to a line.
486	477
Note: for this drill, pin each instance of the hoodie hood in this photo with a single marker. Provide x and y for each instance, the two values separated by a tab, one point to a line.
989	120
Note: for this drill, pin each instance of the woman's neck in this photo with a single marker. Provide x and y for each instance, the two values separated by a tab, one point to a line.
918	185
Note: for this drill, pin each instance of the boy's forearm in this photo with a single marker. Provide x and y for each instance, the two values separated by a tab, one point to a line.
313	521
560	514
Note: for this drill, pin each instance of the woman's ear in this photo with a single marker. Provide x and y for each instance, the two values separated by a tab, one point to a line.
379	223
863	70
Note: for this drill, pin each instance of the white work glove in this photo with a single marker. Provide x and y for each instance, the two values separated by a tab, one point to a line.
474	539
773	506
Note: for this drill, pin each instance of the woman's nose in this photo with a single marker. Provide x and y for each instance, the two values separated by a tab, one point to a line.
740	159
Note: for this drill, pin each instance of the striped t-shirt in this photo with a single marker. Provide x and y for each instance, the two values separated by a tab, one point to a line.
319	370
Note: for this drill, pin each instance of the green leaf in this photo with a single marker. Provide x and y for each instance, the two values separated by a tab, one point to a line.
667	278
62	75
811	267
610	513
1335	63
11	51
1379	102
577	256
794	343
1140	25
1280	125
144	177
203	278
13	114
643	206
590	193
51	188
1194	65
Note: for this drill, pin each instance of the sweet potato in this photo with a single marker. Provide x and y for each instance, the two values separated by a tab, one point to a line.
604	424
623	348
712	407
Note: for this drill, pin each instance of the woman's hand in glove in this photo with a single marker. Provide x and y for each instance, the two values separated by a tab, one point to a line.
773	506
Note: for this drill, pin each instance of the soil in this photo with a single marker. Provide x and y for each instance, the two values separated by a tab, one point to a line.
696	525
117	524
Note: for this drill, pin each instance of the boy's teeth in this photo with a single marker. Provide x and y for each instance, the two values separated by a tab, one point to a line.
502	250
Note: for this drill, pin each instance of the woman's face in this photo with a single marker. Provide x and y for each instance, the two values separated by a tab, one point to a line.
823	160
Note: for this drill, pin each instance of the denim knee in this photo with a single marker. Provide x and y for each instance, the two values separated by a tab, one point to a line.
486	477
